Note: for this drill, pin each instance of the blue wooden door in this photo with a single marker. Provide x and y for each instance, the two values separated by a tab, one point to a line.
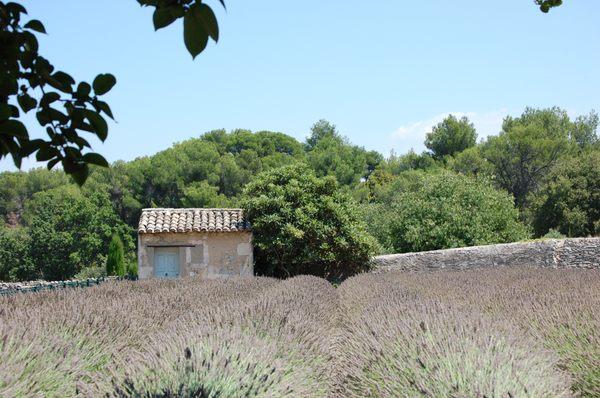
166	262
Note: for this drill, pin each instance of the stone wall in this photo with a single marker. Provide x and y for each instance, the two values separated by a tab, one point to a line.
573	253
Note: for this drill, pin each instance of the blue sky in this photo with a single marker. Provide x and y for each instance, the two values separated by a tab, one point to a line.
383	72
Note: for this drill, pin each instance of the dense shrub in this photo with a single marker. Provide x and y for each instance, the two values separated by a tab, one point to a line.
68	231
15	261
305	225
115	260
569	201
428	211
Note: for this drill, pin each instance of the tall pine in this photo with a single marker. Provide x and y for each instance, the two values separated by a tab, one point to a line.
115	262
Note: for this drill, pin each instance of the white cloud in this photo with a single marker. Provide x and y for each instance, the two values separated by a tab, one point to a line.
412	135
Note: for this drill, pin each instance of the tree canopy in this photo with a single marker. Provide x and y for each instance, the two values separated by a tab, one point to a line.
303	224
440	210
451	136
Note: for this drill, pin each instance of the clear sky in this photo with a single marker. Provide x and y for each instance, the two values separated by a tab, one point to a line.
382	71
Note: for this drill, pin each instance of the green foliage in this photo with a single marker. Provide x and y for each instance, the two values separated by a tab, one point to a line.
397	164
471	162
553	234
90	273
202	194
442	210
330	154
70	231
569	201
15	261
546	5
451	136
199	21
303	224
132	269
115	260
527	148
72	109
65	113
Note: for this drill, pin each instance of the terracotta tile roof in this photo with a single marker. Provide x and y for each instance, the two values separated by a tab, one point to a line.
154	221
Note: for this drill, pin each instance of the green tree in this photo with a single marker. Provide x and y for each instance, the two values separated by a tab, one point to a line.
303	224
70	231
527	148
569	201
115	259
330	154
451	136
202	194
15	259
440	210
471	162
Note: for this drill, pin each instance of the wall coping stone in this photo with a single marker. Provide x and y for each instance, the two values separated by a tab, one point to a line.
553	253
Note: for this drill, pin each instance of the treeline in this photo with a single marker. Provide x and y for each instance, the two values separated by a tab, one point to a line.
539	175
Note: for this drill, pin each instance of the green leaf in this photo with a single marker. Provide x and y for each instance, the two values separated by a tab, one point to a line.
36	25
64	78
95	158
52	163
98	123
30	42
103	83
83	90
46	152
77	170
49	98
163	17
28	147
103	106
26	102
5	112
81	174
61	81
209	21
14	128
195	36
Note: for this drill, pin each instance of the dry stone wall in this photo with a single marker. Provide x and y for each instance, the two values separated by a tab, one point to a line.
555	253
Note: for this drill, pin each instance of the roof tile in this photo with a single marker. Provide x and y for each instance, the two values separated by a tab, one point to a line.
154	221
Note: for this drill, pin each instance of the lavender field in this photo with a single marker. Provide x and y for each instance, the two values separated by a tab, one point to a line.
492	333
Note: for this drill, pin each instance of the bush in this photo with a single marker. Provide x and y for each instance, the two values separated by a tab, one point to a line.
569	201
15	259
305	225
132	269
70	231
553	234
115	261
443	210
91	273
496	333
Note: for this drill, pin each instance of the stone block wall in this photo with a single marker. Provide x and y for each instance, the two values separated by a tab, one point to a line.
572	253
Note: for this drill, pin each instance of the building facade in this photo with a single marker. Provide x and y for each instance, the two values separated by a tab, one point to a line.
206	243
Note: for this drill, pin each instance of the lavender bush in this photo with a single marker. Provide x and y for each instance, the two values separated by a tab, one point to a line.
492	333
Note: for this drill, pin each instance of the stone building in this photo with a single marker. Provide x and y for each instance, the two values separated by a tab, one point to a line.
209	243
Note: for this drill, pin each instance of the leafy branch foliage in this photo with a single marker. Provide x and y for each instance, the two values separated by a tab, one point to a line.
303	224
65	109
546	5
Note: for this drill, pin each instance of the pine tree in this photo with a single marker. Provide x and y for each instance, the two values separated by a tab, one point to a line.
115	262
